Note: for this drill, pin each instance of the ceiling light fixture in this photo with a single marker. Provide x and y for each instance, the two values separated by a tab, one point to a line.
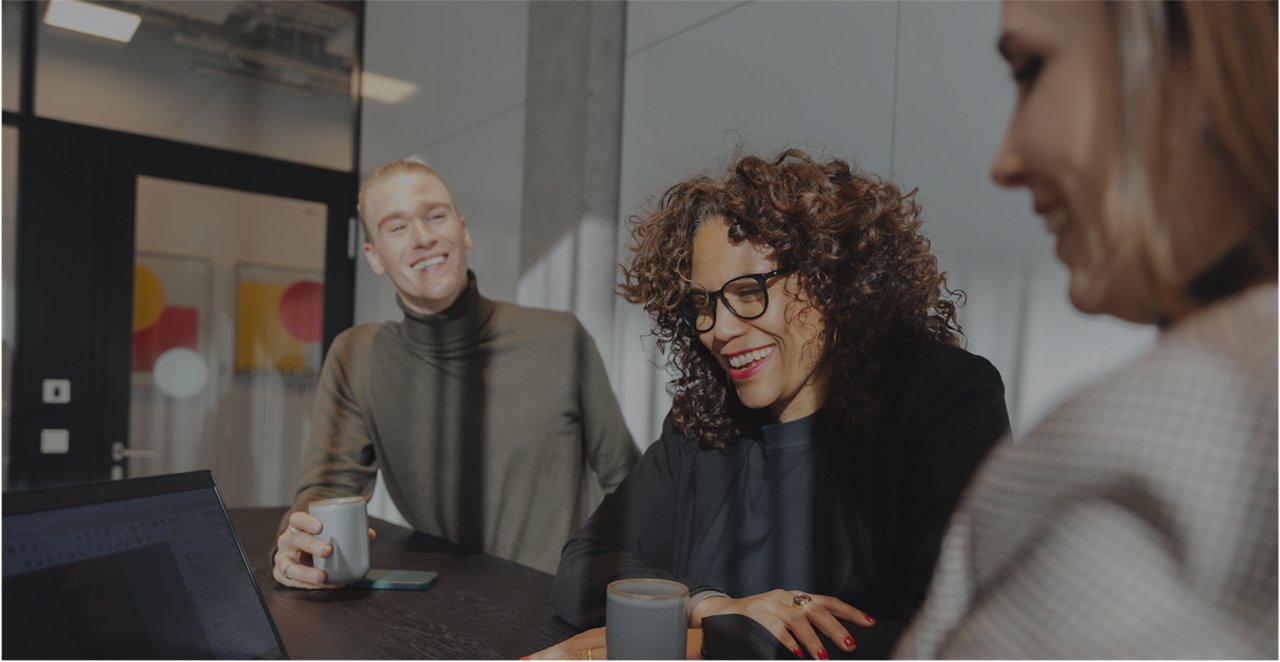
91	19
385	88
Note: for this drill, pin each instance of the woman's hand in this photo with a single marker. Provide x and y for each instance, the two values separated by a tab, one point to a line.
295	549
590	645
791	616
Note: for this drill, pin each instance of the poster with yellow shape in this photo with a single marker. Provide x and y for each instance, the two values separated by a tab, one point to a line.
279	319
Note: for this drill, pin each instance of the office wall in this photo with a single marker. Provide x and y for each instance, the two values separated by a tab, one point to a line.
913	91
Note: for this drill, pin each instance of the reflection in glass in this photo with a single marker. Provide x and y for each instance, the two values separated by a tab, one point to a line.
270	78
10	301
11	24
227	326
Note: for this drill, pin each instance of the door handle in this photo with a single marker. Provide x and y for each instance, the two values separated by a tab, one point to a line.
119	453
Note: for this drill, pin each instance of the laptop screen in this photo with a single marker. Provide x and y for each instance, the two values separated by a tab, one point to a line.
145	568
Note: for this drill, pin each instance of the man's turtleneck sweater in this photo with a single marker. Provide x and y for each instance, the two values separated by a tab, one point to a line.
494	425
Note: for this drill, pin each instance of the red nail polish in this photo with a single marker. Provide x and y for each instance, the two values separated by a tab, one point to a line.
869	619
849	642
822	654
797	651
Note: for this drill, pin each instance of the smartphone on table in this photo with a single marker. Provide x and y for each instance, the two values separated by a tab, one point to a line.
403	580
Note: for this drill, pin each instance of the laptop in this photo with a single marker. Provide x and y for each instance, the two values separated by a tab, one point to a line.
136	569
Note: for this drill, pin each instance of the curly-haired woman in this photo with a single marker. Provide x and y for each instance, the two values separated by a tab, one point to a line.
824	419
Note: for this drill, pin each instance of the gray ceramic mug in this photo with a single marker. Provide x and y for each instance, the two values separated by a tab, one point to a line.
346	527
646	619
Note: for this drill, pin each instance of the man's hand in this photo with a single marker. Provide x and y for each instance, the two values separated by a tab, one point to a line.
296	548
791	616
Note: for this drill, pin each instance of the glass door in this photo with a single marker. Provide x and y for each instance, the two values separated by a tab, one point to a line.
227	326
176	303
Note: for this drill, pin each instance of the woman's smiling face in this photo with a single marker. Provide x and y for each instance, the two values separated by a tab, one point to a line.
1064	145
1061	142
772	360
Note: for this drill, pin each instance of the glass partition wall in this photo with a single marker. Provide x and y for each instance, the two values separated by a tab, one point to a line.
9	308
267	78
202	157
11	24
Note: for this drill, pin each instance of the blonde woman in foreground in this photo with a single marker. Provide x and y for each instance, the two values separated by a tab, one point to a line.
1139	519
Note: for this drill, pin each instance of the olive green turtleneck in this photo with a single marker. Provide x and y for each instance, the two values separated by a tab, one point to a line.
494	425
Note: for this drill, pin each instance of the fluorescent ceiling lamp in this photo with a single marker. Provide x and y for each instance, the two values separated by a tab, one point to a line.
385	88
96	20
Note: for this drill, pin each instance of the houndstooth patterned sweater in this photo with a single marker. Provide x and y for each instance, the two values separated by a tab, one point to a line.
1137	521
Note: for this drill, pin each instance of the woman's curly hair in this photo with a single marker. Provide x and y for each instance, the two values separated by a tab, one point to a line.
854	246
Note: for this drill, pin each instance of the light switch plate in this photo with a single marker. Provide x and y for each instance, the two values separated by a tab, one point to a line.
57	391
55	441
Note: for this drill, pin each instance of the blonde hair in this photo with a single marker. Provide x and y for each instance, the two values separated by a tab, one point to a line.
406	165
1229	50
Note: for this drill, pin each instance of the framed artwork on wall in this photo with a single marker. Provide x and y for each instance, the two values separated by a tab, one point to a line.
279	320
171	309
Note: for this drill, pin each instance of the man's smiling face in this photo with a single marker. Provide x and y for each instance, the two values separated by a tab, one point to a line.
418	238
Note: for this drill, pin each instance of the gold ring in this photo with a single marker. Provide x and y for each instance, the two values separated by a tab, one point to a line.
589	653
800	600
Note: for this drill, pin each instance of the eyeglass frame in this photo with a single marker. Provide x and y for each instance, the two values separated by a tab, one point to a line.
761	280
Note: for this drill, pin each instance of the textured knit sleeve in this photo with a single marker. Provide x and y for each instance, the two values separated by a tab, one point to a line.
1137	521
610	450
1102	551
339	459
630	535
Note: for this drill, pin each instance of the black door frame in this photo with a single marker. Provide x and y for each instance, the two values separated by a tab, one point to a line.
75	315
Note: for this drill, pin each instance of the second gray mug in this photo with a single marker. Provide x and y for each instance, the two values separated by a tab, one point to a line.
646	619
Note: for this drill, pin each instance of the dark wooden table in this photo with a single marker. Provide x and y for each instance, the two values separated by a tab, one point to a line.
483	607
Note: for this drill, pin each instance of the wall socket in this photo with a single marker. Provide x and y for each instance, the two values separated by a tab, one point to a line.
57	391
55	442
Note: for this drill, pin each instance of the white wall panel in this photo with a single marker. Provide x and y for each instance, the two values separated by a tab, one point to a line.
993	318
398	43
467	58
483	53
954	95
806	73
1067	350
651	21
484	169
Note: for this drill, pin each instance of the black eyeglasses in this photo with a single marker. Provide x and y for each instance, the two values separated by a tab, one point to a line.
747	297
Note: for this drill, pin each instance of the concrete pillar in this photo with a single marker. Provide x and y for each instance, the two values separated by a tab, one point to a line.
572	156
